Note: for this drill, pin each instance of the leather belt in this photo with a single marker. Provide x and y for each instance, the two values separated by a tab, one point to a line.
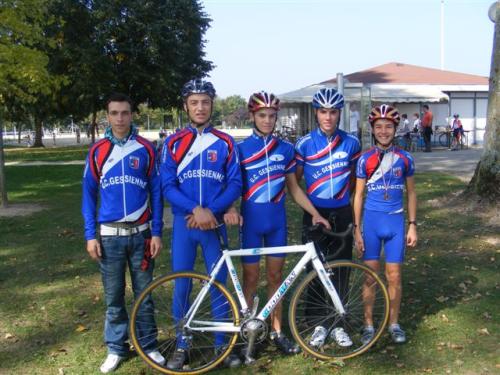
108	230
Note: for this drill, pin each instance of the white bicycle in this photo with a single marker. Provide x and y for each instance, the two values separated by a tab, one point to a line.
205	320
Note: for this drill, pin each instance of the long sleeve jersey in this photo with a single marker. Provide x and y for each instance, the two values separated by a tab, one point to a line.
327	163
200	169
127	180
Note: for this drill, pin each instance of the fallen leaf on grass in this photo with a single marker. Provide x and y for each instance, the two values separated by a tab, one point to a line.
80	328
9	336
400	365
60	371
444	318
456	346
487	315
483	331
442	299
474	268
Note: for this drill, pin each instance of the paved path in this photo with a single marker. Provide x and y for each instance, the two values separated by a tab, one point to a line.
461	164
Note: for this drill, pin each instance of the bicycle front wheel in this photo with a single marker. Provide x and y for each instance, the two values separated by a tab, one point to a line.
363	296
159	321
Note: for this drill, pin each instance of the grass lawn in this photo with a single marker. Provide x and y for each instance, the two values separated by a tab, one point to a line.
52	304
46	154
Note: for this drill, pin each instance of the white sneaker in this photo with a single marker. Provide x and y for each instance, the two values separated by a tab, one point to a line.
111	363
156	356
341	337
318	337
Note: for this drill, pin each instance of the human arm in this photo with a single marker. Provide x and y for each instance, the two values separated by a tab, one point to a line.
411	235
155	246
357	210
155	198
90	188
233	185
300	197
170	185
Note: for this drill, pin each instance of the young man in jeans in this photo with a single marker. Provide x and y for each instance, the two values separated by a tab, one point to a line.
122	170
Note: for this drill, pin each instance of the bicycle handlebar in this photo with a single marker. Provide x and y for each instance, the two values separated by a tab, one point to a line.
317	231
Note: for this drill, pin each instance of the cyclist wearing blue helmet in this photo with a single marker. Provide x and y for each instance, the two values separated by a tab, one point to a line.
201	178
326	157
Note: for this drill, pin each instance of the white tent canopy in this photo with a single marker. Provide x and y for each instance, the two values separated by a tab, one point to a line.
379	93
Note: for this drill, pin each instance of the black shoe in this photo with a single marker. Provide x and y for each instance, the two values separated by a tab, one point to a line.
231	361
177	360
285	345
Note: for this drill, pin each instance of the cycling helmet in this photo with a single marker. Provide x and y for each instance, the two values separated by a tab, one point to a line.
328	98
384	111
261	100
198	86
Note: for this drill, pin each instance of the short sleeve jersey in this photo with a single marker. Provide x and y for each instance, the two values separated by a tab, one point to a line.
264	163
327	163
385	173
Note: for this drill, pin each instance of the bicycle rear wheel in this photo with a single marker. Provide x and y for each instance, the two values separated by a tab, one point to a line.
312	307
158	321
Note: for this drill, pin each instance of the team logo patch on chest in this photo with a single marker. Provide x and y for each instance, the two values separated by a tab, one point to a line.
397	172
212	155
134	162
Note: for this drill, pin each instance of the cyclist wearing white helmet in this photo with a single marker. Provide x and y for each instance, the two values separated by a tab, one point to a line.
267	167
326	157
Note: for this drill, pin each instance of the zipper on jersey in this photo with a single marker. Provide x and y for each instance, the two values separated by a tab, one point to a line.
329	140
268	177
123	184
201	165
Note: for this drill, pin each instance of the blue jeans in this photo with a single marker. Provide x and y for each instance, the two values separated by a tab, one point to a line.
117	252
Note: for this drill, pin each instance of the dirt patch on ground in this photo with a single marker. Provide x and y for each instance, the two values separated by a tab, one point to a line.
20	209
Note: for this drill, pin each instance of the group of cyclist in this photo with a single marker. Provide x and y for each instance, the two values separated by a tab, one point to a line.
203	172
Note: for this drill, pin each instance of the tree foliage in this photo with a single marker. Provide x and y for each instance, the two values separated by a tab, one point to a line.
231	110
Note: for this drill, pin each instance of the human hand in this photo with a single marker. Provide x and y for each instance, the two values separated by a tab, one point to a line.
358	240
190	221
204	218
411	236
318	219
232	217
94	249
155	246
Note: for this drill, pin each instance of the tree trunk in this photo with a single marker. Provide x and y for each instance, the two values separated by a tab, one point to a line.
93	125
38	132
3	188
486	179
19	130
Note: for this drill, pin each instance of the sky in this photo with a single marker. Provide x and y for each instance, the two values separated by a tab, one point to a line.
283	45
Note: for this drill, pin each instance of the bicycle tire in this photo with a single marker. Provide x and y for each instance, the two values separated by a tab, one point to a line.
443	140
202	355
303	318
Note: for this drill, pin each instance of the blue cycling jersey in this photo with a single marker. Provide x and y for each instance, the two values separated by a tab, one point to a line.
264	163
200	170
127	179
385	173
327	163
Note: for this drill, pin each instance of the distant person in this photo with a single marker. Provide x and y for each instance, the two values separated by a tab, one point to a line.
427	127
417	124
122	198
404	132
354	122
77	132
457	132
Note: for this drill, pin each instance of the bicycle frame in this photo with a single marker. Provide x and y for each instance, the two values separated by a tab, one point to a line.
309	256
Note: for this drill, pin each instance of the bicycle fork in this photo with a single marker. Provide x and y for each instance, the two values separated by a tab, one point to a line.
327	283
